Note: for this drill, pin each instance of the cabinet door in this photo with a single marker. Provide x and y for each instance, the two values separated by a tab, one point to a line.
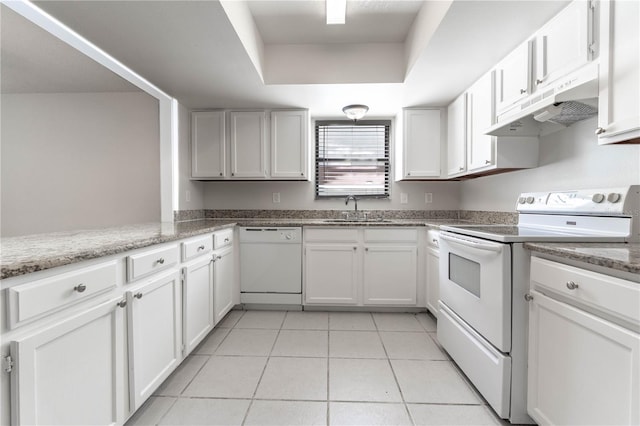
197	302
390	275
513	77
208	144
154	334
480	116
247	137
457	136
582	369
223	283
433	280
331	274
422	141
289	144
619	103
562	45
72	372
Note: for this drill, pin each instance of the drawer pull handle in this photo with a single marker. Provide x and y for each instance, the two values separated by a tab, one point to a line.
161	260
122	303
200	248
80	288
528	297
571	285
138	295
226	240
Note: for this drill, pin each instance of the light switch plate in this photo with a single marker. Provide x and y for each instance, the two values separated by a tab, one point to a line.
428	197
404	198
276	197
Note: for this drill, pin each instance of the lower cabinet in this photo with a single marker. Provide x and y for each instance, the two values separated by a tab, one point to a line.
197	302
390	275
331	274
154	310
223	283
73	371
433	280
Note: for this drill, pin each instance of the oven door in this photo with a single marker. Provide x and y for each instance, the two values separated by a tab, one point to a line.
475	283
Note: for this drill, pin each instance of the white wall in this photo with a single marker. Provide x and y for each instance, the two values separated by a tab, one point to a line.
73	161
569	159
187	188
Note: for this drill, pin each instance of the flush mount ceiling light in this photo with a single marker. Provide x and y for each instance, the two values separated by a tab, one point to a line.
336	11
355	112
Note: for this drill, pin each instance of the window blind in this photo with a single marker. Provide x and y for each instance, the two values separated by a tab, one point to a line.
352	158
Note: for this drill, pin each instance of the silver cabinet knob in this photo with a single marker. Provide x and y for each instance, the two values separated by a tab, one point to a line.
220	173
487	161
218	257
600	130
226	240
138	295
523	91
539	82
161	260
200	248
122	303
80	288
461	168
528	297
571	285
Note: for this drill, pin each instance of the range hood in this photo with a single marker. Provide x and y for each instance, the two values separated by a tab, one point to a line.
570	99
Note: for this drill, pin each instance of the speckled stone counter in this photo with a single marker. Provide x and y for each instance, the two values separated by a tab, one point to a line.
618	256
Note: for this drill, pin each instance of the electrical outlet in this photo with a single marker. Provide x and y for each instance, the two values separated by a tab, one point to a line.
428	197
404	198
187	196
275	197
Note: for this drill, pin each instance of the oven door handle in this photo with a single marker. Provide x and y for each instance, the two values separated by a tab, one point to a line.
489	247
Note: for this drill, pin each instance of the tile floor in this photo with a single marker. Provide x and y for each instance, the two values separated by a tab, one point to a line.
317	368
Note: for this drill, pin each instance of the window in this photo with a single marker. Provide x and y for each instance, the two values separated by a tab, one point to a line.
352	158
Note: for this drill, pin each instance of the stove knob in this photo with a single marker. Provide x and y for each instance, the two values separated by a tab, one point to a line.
597	198
522	200
614	197
530	200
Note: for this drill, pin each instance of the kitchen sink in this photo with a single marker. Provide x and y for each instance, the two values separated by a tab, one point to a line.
356	220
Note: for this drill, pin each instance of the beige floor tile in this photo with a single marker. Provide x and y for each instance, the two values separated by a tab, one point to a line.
231	319
430	414
182	376
410	345
306	321
357	413
294	378
362	380
227	377
301	343
248	342
261	319
187	411
151	411
433	382
396	322
355	344
212	341
427	321
351	321
276	413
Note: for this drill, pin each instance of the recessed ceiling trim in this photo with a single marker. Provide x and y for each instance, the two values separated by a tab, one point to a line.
336	12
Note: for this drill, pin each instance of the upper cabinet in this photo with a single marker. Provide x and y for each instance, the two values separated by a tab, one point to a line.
618	101
480	115
245	145
421	144
457	136
514	77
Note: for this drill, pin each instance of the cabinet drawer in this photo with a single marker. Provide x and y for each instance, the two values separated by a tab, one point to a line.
196	247
223	238
331	235
151	261
614	296
390	234
33	300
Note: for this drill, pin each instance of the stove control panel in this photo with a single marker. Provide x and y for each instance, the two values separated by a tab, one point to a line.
618	201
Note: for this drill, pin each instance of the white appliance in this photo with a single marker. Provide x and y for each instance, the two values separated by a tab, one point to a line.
484	276
271	260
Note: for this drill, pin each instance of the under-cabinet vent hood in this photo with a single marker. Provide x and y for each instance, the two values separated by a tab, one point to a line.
570	99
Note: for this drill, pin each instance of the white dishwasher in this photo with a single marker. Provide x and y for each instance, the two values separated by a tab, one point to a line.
271	265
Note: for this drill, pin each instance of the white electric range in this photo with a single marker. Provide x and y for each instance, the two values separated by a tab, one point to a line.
484	277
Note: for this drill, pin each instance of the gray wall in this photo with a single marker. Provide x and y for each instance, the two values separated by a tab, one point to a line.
73	161
569	159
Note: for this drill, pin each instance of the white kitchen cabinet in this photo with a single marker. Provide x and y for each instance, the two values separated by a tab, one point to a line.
513	76
433	272
223	283
390	275
421	143
619	81
247	137
154	336
72	372
563	44
457	136
197	301
331	274
480	116
289	144
208	144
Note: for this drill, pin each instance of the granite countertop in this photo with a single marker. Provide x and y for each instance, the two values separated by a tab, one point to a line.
619	256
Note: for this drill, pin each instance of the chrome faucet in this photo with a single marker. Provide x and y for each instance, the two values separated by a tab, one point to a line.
355	200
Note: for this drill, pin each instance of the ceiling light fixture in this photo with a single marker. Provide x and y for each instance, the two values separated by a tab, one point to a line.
336	11
355	112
